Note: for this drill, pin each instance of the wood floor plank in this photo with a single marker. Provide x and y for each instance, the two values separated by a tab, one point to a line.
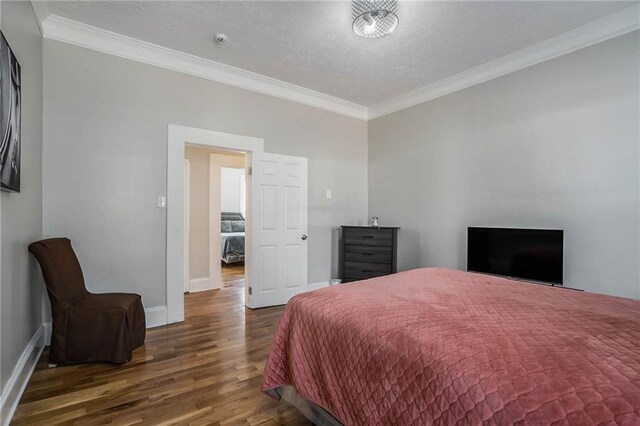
204	371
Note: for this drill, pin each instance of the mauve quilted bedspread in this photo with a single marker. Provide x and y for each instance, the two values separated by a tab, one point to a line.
437	346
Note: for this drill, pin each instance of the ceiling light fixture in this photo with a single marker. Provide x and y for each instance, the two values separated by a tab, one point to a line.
374	18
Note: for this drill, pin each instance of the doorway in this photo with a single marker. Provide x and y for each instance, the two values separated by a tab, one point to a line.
276	219
178	138
215	211
233	213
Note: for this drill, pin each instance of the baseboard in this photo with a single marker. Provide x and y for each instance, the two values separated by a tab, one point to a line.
201	284
315	286
47	333
156	316
20	377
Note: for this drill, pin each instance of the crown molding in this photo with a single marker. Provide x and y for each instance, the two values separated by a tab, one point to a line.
615	25
41	10
72	32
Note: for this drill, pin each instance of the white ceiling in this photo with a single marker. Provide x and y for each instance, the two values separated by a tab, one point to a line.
311	44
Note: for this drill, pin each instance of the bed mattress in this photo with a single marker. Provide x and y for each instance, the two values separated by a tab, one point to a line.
438	346
232	247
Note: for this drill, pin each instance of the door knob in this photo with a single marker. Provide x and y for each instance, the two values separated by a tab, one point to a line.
304	237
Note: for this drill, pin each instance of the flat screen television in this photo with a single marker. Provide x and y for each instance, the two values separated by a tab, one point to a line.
529	254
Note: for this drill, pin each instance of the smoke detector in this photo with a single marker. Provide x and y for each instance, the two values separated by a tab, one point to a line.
220	38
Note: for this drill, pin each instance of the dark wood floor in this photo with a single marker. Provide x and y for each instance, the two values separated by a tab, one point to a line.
233	275
204	371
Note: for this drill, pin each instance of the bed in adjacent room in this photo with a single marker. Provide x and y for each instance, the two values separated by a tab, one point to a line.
232	237
438	346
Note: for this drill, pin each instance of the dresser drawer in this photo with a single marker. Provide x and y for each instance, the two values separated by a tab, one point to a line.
368	252
368	236
363	277
362	270
375	254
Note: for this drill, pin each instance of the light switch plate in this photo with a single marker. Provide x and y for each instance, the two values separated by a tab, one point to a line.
328	194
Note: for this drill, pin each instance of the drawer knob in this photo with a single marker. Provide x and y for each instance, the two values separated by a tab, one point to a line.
304	237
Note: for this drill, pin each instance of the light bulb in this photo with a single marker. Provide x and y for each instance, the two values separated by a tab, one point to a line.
370	25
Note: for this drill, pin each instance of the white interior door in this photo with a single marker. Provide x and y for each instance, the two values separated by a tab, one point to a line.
279	229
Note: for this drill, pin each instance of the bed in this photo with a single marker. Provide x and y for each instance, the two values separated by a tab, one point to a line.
438	346
232	237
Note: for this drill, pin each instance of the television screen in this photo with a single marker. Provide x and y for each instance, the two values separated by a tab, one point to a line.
531	254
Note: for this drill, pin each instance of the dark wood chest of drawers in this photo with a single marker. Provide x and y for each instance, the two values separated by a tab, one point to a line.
368	252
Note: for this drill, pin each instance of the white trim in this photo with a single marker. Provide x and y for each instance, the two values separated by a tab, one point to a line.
156	316
13	390
187	224
612	26
249	260
202	284
68	31
90	37
46	333
215	268
178	136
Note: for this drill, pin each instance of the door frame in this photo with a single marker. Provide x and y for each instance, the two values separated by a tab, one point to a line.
178	137
187	225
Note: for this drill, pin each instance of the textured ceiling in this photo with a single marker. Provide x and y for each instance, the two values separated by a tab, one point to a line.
311	44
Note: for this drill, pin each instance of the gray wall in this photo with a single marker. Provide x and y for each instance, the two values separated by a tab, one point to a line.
21	284
555	145
105	160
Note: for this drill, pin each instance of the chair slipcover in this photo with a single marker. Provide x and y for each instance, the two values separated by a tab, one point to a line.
86	327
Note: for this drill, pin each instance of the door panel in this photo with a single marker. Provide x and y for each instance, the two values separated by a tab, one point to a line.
269	272
292	271
279	188
269	207
292	203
